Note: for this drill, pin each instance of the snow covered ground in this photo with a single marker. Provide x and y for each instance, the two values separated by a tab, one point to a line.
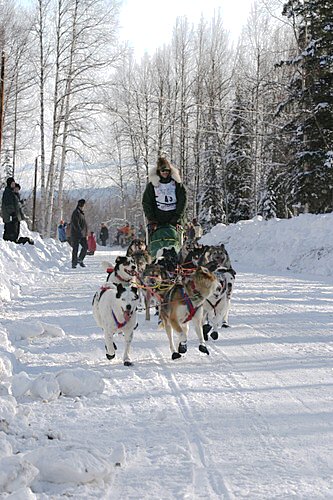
252	420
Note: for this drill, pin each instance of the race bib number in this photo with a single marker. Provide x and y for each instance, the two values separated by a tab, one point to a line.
165	195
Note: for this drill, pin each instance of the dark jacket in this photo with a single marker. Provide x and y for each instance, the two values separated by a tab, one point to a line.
152	212
104	233
10	206
79	228
62	232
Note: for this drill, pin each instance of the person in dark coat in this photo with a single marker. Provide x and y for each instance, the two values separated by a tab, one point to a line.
164	199
79	233
103	234
11	213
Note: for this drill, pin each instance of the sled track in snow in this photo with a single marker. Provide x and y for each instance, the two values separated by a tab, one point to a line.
207	479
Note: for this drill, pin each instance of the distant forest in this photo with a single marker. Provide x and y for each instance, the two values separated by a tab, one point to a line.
249	125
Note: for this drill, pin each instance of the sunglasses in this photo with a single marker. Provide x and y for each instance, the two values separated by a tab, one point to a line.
163	170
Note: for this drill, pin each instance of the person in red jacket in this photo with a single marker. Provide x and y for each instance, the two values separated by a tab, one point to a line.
91	243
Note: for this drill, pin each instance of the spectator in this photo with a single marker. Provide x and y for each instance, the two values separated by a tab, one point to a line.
103	234
141	233
62	231
198	232
17	190
123	234
79	232
91	243
11	212
190	232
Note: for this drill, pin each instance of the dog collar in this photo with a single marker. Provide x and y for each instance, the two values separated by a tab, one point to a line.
120	278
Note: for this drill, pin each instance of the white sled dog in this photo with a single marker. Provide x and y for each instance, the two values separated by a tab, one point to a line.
217	305
114	309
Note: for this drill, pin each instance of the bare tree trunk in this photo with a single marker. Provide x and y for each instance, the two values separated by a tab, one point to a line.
57	108
42	63
66	117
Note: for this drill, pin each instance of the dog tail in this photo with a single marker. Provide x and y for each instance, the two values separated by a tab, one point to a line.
106	265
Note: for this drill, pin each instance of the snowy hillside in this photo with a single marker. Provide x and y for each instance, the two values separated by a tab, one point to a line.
303	244
251	420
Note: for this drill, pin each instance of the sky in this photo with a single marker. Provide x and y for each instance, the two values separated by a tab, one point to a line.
148	24
253	419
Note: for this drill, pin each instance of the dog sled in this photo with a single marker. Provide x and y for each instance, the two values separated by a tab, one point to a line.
164	237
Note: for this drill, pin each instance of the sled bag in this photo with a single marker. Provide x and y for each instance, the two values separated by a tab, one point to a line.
164	237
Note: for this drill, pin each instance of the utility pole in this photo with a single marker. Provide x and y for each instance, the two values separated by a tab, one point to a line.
34	197
2	94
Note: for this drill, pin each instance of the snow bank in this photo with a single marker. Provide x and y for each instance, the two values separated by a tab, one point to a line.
21	265
30	328
47	386
80	382
68	464
16	473
303	244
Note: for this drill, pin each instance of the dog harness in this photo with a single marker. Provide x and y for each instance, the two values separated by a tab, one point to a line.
118	324
192	310
214	306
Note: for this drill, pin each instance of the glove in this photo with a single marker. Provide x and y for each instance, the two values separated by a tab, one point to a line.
152	226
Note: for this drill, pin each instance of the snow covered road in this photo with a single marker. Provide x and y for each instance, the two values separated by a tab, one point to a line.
252	420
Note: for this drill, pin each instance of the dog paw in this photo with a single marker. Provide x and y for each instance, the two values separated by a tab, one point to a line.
225	325
214	335
176	355
205	330
182	348
128	363
110	356
203	348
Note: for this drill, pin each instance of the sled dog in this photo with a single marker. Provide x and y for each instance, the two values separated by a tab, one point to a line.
219	255
152	280
114	310
123	271
136	246
138	251
217	305
182	304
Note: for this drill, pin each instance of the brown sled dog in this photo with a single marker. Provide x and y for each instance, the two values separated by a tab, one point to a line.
183	304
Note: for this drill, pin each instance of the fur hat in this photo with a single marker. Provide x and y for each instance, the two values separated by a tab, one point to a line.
163	163
9	181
